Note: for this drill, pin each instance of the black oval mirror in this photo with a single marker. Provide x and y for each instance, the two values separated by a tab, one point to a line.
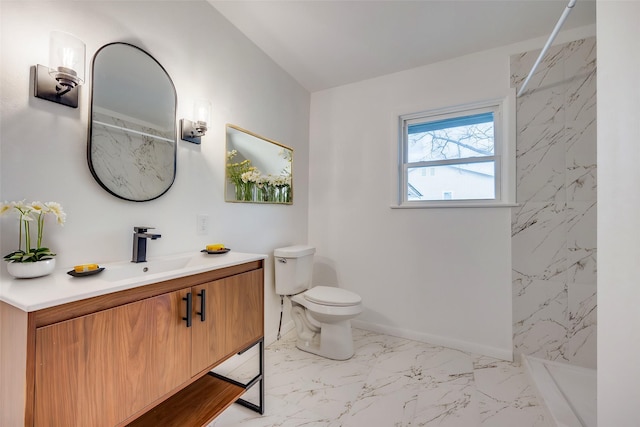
132	127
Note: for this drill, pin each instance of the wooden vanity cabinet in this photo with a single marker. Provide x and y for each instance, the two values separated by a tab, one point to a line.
109	365
128	358
233	318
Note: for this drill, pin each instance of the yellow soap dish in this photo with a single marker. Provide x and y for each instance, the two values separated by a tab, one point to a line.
75	273
219	251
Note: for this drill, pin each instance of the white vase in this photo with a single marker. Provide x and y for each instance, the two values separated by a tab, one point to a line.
29	270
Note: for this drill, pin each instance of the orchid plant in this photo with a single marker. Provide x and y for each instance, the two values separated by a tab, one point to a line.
28	214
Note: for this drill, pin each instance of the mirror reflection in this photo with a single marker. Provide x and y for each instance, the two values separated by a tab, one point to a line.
258	168
132	131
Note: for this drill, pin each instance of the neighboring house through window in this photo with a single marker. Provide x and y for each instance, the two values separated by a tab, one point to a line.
457	157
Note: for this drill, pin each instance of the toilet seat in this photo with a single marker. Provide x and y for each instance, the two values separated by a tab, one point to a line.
344	307
332	296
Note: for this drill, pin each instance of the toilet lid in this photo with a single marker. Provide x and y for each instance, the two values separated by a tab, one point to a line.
327	295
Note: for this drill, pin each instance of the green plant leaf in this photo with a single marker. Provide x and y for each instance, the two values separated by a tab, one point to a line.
34	255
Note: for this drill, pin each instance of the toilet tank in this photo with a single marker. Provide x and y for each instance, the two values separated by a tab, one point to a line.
293	269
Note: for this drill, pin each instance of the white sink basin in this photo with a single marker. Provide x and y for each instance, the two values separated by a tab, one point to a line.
60	288
122	271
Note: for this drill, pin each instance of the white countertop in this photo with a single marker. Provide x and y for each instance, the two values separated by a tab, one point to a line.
60	288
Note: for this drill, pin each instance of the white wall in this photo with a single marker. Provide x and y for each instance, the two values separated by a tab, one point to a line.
618	214
43	145
416	270
440	275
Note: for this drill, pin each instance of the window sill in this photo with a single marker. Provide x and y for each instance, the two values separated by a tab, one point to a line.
454	204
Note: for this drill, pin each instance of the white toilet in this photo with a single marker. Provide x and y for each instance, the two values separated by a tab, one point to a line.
322	314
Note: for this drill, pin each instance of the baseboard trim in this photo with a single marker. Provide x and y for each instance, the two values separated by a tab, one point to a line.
471	347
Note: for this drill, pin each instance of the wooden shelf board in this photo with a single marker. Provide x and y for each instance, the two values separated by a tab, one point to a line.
197	405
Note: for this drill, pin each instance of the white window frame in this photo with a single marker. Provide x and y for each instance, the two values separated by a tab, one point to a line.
504	153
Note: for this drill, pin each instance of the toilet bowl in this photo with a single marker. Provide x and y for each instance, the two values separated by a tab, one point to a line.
322	314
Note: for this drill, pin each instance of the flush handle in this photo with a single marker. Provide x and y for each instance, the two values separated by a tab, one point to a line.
282	260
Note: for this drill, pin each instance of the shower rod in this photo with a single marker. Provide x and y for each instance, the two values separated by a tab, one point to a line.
554	33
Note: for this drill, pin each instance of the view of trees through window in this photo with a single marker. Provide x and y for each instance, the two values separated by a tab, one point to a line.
451	159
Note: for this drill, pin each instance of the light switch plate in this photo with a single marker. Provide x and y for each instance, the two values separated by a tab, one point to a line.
202	224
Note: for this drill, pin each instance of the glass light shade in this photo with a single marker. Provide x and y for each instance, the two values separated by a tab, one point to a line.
66	57
202	111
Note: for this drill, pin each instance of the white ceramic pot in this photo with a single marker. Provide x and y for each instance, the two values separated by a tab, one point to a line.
29	270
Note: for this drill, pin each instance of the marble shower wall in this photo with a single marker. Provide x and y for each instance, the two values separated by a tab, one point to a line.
554	227
137	165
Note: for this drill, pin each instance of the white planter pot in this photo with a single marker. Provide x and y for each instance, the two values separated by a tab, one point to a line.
29	270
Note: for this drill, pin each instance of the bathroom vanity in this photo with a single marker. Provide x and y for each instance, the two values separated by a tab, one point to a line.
136	350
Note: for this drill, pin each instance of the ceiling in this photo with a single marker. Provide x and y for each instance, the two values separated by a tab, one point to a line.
325	43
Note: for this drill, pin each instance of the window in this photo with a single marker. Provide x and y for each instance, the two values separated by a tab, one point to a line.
456	157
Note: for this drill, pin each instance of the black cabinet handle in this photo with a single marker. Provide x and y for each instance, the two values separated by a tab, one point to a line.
189	301
203	305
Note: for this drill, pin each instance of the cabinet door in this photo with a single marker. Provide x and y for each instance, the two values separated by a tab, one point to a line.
99	369
245	312
234	317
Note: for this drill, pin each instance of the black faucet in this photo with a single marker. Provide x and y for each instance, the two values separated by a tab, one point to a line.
140	237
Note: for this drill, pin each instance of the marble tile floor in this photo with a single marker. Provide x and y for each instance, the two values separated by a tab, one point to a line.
389	382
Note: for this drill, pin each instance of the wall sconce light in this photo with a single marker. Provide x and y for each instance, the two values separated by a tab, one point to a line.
59	81
192	130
